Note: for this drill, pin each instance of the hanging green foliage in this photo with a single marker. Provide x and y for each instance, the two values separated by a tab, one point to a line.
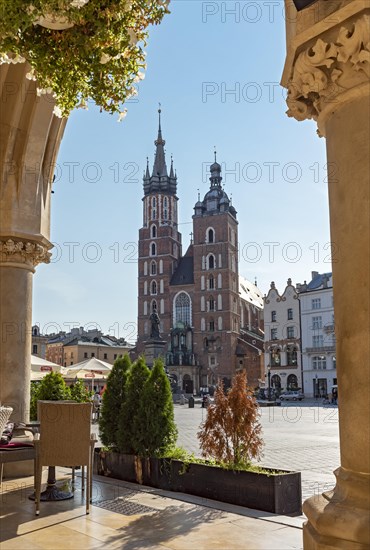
96	53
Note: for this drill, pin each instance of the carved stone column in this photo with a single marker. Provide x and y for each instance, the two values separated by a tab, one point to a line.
327	75
29	139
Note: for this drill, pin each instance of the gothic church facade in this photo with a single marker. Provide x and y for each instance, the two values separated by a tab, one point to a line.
210	317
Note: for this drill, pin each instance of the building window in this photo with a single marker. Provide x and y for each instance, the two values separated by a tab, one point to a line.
211	261
318	341
115	356
92	354
219	280
319	362
211	303
292	382
316	303
161	286
275	360
290	332
212	360
154	231
274	334
211	283
145	288
162	306
291	356
85	355
202	303
153	288
273	316
34	349
153	249
145	268
153	268
202	324
316	322
211	236
290	314
145	308
160	266
334	359
211	326
220	323
219	302
182	309
105	356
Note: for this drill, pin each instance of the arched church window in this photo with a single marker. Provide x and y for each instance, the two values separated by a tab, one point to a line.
165	206
211	303
211	283
153	288
153	249
154	231
211	236
211	262
153	268
182	308
154	305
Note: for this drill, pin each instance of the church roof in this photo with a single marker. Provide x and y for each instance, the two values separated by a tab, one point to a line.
250	292
184	274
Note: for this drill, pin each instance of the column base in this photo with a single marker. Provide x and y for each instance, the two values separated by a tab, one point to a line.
339	519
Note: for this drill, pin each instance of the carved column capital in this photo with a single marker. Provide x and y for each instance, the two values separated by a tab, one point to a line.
23	253
331	71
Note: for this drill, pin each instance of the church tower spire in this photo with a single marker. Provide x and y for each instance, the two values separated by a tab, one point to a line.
159	168
160	181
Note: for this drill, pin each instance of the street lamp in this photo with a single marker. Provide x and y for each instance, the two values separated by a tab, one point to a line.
269	383
316	387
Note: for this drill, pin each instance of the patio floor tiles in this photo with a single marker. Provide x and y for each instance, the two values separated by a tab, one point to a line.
170	524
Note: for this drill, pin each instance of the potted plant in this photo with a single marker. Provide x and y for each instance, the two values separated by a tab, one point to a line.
230	438
80	49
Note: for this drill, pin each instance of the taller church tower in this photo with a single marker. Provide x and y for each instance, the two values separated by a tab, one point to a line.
159	243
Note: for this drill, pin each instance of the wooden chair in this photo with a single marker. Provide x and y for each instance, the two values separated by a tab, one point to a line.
65	439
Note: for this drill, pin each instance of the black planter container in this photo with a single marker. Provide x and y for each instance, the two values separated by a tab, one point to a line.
279	494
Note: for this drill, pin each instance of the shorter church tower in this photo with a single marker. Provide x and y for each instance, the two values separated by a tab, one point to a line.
216	279
159	243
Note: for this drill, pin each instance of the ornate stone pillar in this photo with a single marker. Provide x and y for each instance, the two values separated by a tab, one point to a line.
29	139
327	75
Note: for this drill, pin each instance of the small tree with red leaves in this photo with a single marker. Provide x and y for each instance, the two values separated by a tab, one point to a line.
231	432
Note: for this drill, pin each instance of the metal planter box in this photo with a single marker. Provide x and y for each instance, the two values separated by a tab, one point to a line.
279	493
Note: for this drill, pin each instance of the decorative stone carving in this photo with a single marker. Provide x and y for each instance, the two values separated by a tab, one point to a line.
23	252
328	69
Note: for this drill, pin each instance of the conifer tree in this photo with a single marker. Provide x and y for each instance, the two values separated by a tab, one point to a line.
79	392
231	432
51	388
154	427
129	418
113	397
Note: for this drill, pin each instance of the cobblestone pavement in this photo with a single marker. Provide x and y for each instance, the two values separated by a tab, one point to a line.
303	437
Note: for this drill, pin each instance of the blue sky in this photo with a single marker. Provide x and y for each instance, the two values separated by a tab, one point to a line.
216	74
